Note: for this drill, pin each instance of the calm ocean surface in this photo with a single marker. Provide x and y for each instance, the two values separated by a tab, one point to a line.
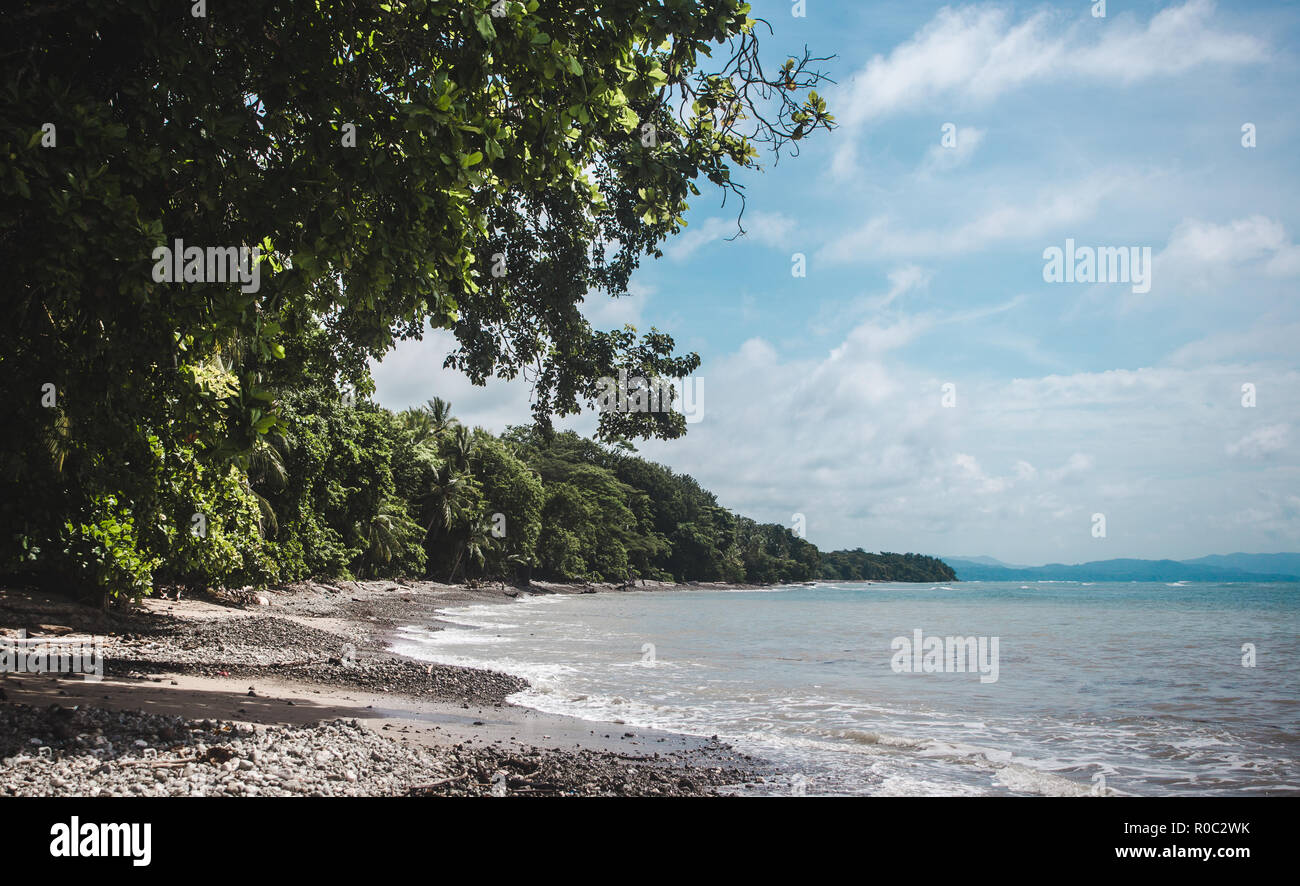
1131	688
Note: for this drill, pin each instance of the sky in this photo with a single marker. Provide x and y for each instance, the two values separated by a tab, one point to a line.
926	387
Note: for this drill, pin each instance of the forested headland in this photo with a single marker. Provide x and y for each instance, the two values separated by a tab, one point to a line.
355	490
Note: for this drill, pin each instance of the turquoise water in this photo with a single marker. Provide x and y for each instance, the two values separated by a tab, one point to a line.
1117	688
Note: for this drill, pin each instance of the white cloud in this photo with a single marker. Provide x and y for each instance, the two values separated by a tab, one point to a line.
1246	262
1076	465
412	373
1271	338
902	281
605	312
766	228
1270	514
942	159
1261	442
1049	211
971	55
1197	246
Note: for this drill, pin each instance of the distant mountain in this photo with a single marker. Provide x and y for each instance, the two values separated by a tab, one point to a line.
1287	563
1125	570
984	561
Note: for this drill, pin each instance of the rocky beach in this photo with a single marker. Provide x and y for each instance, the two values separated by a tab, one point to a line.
292	691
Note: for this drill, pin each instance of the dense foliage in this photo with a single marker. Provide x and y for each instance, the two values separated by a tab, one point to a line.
362	491
858	565
480	166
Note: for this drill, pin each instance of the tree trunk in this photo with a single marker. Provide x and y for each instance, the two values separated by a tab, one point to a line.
456	565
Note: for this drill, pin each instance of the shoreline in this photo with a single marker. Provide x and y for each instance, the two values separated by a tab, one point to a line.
307	668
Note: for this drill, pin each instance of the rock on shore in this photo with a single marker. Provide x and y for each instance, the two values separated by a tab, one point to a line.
57	751
267	646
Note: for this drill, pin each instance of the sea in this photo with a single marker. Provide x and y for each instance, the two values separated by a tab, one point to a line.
1043	688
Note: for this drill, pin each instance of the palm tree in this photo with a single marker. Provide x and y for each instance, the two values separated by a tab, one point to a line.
387	536
264	464
381	538
429	422
440	502
460	446
416	423
439	412
57	442
475	545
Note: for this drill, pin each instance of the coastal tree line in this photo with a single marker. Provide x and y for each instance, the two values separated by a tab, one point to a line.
351	489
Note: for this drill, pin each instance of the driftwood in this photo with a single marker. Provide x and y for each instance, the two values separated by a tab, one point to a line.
440	783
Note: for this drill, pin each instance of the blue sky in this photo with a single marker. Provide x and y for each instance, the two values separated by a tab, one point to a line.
823	394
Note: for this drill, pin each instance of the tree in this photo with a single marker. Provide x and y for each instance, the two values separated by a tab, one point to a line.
392	542
437	412
385	158
514	491
474	545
